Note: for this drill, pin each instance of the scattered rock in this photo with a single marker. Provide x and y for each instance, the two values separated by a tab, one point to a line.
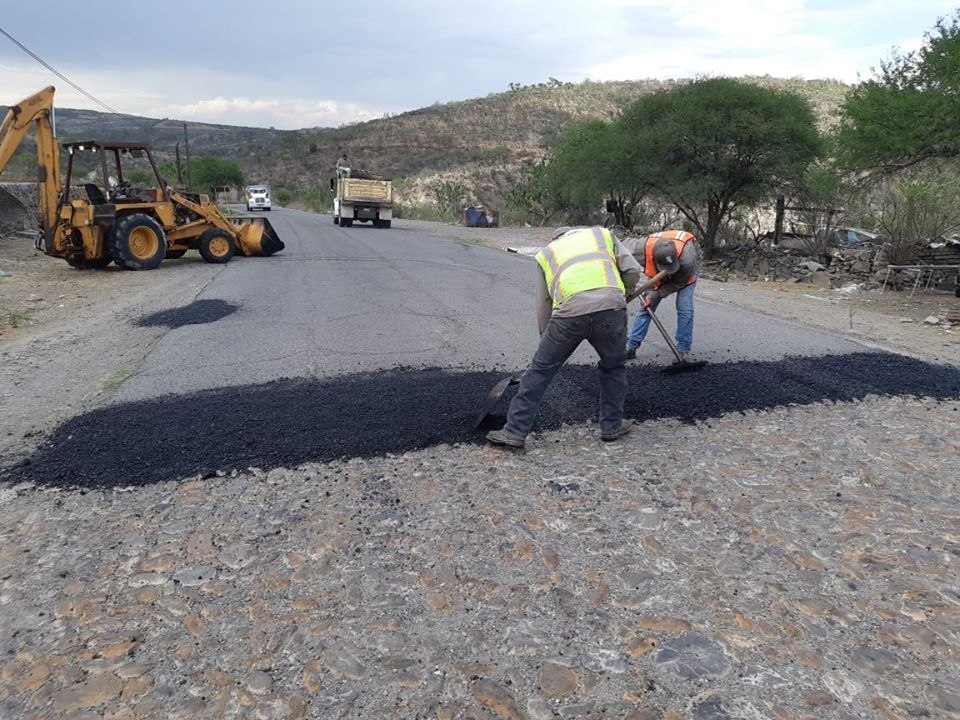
557	681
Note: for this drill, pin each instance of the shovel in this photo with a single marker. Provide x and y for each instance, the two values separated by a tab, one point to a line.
680	365
496	392
493	397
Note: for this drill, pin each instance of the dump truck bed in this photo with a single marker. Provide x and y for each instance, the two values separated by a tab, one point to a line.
370	191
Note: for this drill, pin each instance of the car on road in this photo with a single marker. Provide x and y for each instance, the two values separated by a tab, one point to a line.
258	198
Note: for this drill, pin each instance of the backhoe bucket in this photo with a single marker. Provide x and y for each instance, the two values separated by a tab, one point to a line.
257	237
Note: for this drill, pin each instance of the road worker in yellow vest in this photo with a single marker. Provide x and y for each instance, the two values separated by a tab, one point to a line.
672	259
583	278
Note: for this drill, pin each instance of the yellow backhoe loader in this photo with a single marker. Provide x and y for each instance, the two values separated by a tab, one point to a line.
136	228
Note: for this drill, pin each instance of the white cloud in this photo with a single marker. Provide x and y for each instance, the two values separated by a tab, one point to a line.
286	113
756	37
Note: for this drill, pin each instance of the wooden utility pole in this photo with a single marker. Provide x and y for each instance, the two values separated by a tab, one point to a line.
778	221
186	147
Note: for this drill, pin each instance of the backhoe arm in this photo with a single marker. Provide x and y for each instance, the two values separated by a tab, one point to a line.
36	110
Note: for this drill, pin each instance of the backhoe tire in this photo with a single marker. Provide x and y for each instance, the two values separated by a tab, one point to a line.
385	223
174	254
336	220
346	222
216	246
137	242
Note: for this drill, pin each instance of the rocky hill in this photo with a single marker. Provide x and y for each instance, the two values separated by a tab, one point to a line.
480	143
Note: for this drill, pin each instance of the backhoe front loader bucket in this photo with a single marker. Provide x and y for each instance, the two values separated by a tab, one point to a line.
257	237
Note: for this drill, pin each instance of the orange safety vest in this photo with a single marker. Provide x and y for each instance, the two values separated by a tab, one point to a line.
679	238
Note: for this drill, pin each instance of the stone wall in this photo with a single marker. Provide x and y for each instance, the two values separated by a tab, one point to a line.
767	263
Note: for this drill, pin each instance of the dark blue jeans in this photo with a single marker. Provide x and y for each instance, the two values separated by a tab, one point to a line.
606	330
641	323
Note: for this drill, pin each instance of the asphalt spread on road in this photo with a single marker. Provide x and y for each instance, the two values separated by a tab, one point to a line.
199	312
292	421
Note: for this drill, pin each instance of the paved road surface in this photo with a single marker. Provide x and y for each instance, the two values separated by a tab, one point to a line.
344	300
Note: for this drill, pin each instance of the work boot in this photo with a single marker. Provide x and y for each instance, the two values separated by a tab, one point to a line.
624	429
684	356
502	437
631	352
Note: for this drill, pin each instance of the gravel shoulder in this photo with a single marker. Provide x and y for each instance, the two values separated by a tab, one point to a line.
792	562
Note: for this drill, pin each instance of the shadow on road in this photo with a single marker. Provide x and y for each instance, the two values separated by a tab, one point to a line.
287	422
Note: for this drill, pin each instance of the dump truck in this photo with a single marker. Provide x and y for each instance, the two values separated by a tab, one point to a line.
362	196
91	225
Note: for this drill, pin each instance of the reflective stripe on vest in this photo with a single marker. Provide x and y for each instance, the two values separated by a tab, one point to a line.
679	238
580	260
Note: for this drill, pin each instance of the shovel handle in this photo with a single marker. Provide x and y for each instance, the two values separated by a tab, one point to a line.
641	289
663	331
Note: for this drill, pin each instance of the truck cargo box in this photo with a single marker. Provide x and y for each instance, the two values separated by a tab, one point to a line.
359	190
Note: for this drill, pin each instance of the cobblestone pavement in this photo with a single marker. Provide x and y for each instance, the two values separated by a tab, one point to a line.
795	562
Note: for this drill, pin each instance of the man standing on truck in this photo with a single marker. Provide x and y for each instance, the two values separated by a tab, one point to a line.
343	166
584	276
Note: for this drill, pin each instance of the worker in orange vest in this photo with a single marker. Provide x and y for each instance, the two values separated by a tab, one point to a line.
675	255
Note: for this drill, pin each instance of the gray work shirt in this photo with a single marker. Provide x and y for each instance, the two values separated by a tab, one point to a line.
589	301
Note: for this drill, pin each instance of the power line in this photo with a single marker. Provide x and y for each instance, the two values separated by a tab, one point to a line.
56	72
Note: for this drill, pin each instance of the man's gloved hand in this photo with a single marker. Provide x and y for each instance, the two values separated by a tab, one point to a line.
646	300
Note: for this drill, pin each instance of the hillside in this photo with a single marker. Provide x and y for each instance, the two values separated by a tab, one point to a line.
480	143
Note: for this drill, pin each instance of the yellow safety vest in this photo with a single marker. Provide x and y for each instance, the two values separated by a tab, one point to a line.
580	260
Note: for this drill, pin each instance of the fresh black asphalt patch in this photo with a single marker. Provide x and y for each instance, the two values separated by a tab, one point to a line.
288	422
199	312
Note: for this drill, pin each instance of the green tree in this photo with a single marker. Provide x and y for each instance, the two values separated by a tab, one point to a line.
714	144
908	111
577	176
586	170
208	173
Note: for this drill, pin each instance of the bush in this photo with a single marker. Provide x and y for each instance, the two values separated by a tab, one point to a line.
315	200
451	197
914	212
425	211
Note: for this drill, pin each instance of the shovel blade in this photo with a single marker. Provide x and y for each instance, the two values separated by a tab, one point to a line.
492	398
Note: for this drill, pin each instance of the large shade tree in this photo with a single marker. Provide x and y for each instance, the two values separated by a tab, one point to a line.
714	144
588	169
207	173
909	112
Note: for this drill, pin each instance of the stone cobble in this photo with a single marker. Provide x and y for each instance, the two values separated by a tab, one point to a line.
799	562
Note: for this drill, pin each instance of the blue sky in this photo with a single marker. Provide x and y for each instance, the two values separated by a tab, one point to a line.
302	63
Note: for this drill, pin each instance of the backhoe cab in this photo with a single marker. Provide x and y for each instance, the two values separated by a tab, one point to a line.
92	224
